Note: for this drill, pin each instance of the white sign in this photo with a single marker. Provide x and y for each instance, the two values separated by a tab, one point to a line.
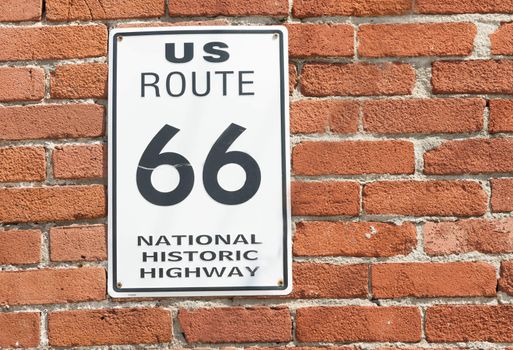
199	193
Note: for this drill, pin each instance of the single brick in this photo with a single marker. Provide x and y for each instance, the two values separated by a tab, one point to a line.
325	198
357	79
363	8
501	116
109	327
425	198
88	80
20	329
416	39
52	286
474	156
58	203
22	84
472	77
359	239
236	325
506	280
293	78
198	8
17	11
465	236
353	158
84	10
464	6
358	323
320	116
51	121
502	195
22	164
313	280
52	42
501	40
463	323
419	116
326	40
78	243
19	247
429	280
80	162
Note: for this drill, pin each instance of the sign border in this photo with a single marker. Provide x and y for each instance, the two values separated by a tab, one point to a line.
112	271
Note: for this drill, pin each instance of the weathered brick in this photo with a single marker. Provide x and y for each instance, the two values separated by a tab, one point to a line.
51	121
464	6
275	8
416	39
425	198
325	198
459	279
319	116
88	80
19	247
502	195
17	11
109	327
501	40
501	116
360	239
506	280
353	158
59	203
78	243
236	325
358	323
318	8
52	286
22	84
293	78
52	42
423	116
22	164
327	40
20	329
357	79
79	162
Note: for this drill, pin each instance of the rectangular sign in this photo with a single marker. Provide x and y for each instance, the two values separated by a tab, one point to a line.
199	192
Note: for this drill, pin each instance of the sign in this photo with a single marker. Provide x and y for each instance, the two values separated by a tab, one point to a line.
199	192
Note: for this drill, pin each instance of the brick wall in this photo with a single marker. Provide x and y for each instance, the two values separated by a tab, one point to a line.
402	160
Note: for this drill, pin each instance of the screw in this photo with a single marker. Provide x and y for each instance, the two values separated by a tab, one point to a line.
120	38
275	36
280	282
119	285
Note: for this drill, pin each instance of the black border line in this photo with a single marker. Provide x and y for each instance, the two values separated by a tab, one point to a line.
284	144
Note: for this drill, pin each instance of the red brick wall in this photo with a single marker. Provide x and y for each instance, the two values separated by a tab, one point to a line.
402	162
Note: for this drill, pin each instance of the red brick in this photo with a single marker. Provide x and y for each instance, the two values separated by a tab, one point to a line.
325	40
236	325
87	80
329	281
506	280
22	164
78	243
425	198
19	247
275	8
52	286
464	6
353	158
428	280
416	39
59	203
363	8
502	43
109	327
22	84
474	156
320	116
455	323
211	22
358	323
465	236
20	329
502	195
79	162
52	42
51	121
83	10
359	239
293	78
325	198
419	116
17	11
473	77
357	79
501	116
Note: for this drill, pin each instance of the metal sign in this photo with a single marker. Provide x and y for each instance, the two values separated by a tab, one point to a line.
199	201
